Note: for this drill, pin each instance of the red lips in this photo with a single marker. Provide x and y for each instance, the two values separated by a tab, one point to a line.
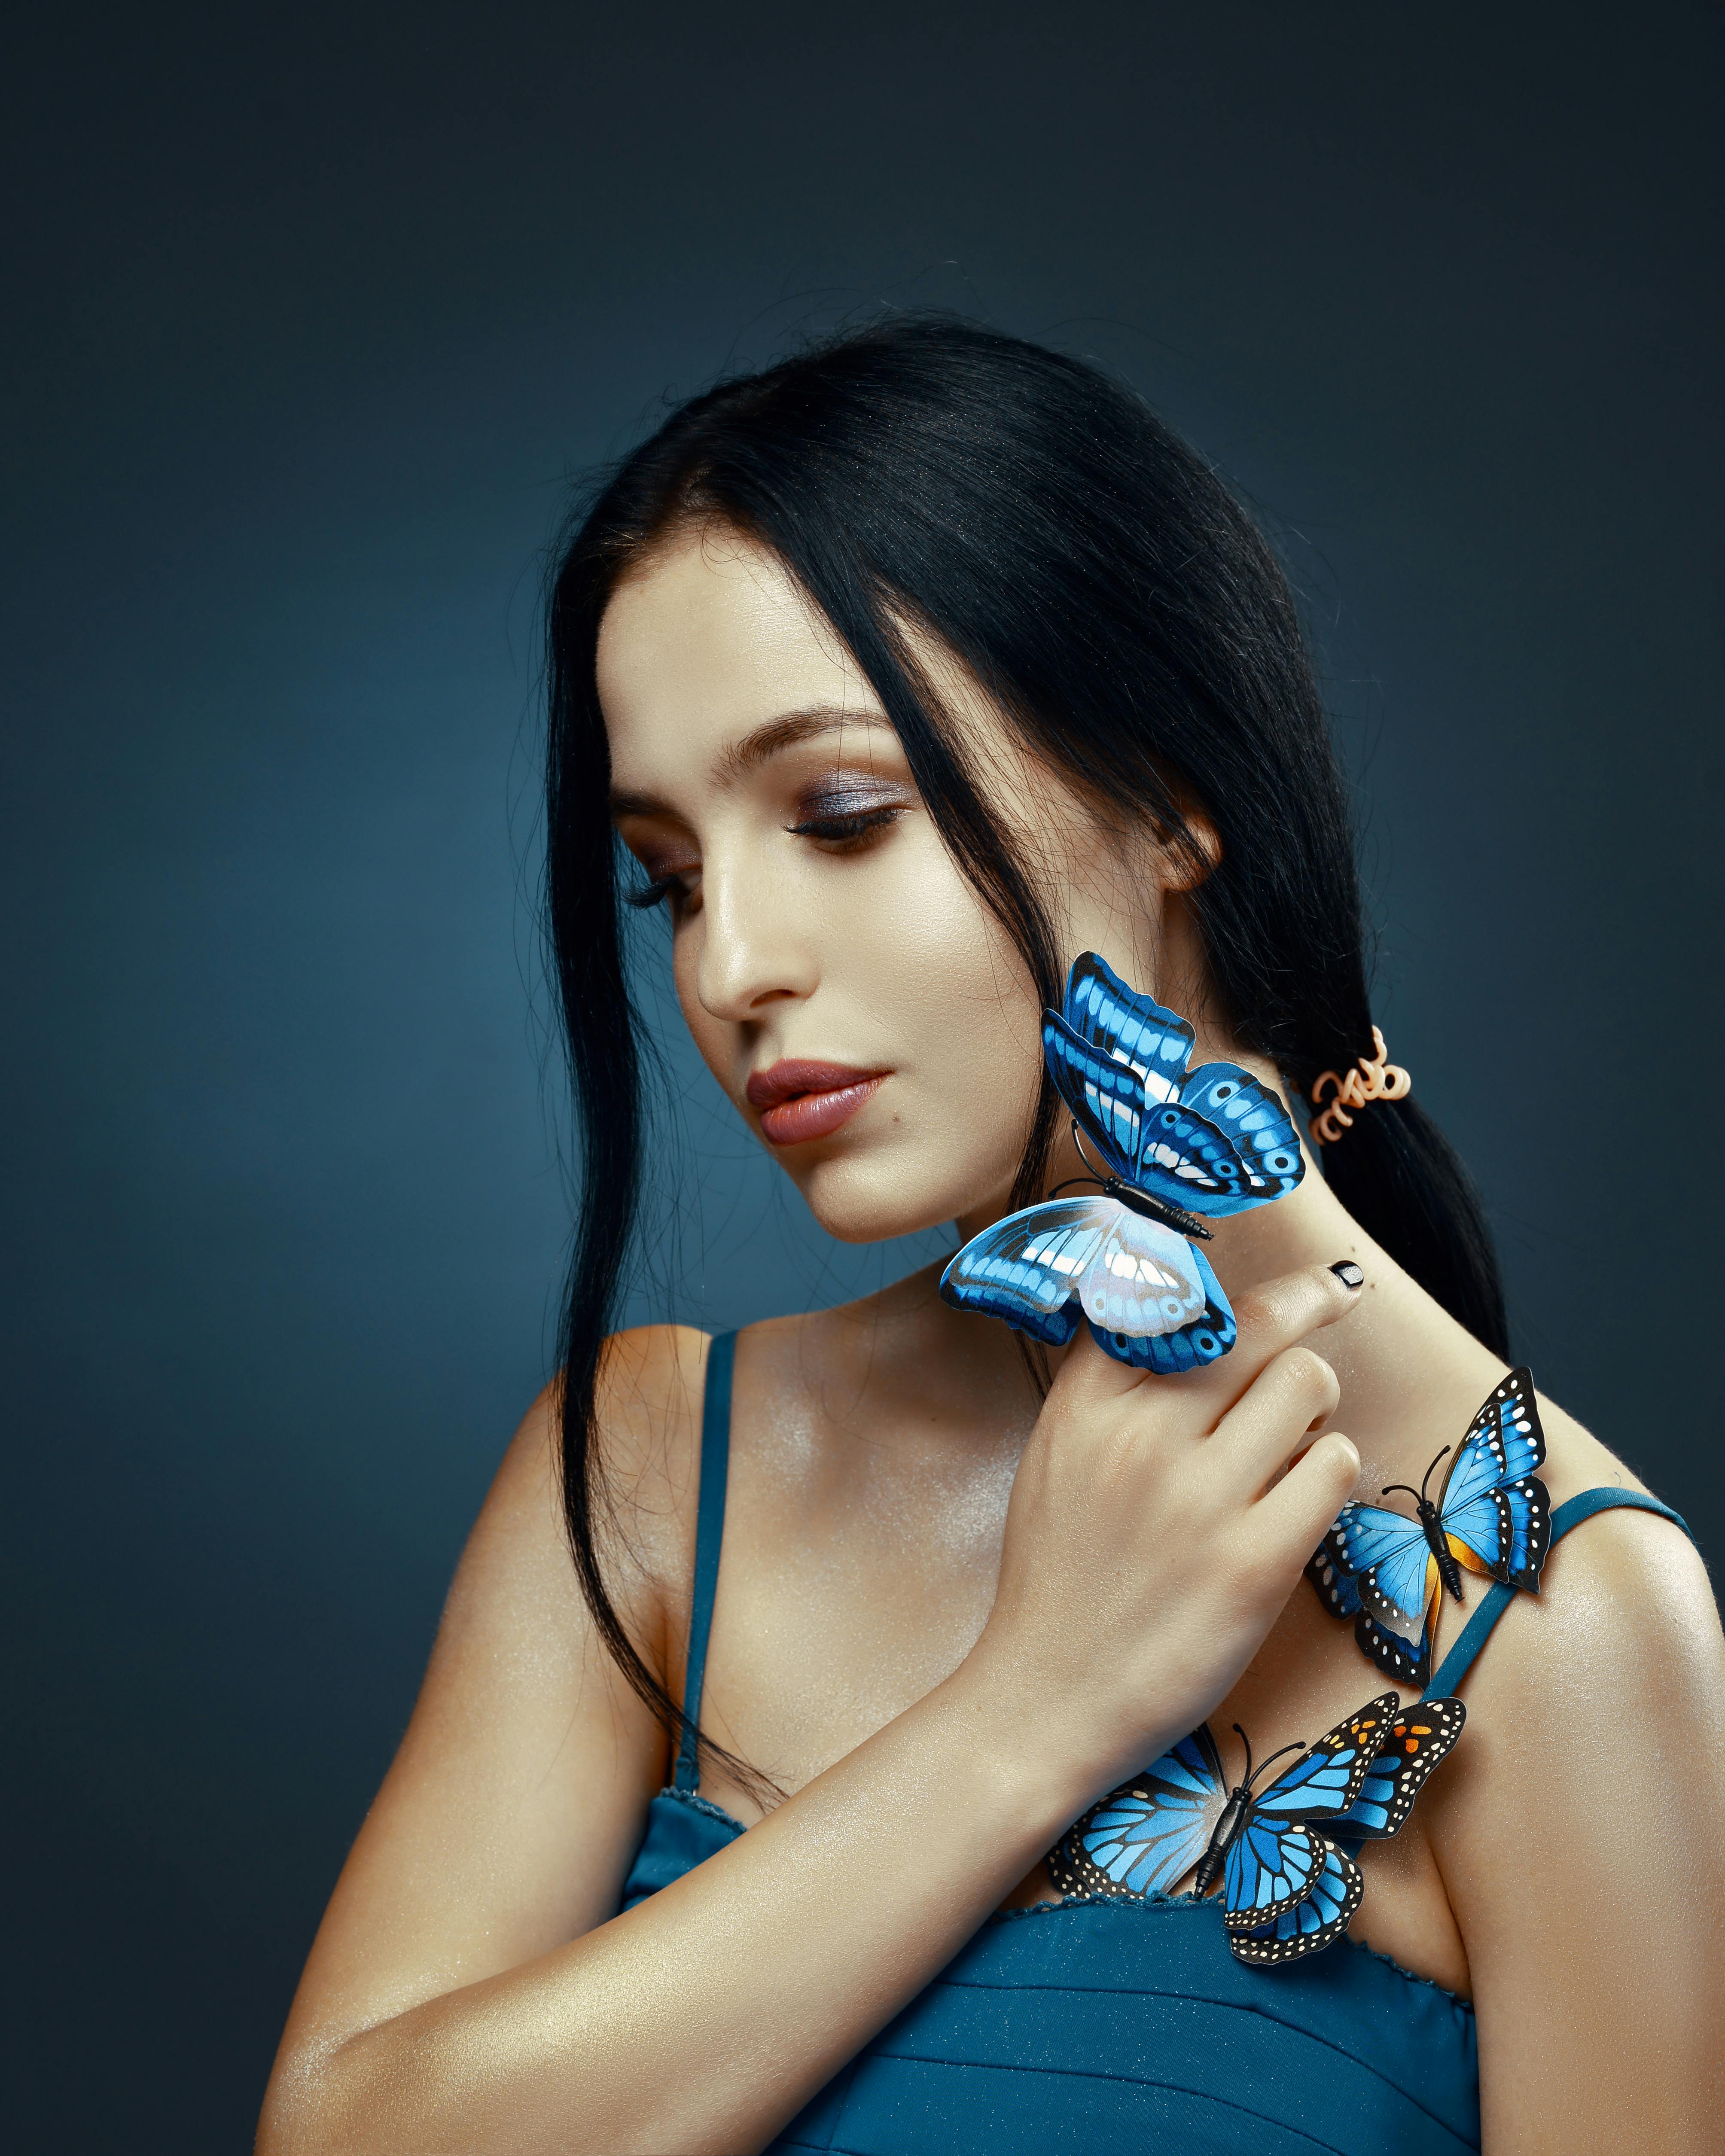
800	1102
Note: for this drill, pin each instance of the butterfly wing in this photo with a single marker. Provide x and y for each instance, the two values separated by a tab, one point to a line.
1026	1268
1386	1553
1323	1914
1504	1441
1289	1890
1412	1743
1529	1503
1254	1120
1107	1098
1496	1511
1402	1647
1143	1281
1162	1146
1271	1865
1209	1335
1376	1566
1505	1532
1127	1027
1335	1583
1325	1781
1185	1159
1145	1835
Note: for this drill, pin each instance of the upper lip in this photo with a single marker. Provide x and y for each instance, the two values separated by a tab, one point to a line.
792	1076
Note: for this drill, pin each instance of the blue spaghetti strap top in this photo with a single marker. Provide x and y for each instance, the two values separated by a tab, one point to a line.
1116	2027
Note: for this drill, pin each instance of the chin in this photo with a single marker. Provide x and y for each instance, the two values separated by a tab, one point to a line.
876	1194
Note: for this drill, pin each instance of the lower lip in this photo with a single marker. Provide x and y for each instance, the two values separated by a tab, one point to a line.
813	1116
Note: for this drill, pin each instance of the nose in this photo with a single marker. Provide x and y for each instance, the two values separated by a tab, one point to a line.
754	950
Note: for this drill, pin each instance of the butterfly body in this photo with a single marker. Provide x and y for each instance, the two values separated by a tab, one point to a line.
1492	1516
1153	1209
1176	1148
1287	1887
1449	1566
1227	1830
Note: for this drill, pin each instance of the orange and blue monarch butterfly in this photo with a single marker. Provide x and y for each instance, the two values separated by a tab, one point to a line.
1288	1889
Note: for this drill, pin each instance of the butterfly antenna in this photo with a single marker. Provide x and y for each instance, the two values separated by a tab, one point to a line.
1071	1180
1265	1764
1078	1140
1247	1742
1428	1474
1390	1488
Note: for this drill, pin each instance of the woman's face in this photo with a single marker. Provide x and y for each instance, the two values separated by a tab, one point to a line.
865	1011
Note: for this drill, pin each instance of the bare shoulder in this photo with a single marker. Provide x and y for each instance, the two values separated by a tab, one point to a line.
1579	1831
1610	1682
647	1487
1575	1459
649	1439
1623	1591
1625	1600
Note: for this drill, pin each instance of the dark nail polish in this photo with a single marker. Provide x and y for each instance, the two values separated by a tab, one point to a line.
1348	1273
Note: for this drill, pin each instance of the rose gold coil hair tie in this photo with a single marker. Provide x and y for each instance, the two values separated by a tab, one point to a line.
1374	1077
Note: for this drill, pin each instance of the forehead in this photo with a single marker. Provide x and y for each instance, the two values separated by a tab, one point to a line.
707	641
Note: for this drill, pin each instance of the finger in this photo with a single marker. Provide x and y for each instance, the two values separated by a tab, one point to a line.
1296	1393
1302	1506
1089	1375
1270	1318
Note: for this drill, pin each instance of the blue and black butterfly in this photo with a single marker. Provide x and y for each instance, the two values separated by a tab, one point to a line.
1492	1515
1287	1890
1177	1147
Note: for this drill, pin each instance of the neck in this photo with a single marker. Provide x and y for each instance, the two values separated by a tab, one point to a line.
1397	1341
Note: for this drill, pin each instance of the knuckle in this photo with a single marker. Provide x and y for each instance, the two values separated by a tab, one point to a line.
1346	1460
1294	1304
1254	1313
1335	1464
1308	1377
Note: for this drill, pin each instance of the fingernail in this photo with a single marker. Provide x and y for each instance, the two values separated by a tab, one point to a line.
1348	1273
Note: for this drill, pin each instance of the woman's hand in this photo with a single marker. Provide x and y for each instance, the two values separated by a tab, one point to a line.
466	1991
1157	1528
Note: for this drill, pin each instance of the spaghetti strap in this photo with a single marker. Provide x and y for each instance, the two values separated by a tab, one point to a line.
1461	1658
709	1533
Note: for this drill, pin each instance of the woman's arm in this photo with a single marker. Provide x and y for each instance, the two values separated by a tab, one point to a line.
449	2004
1581	1841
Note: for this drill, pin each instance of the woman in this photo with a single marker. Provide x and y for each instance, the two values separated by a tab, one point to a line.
906	671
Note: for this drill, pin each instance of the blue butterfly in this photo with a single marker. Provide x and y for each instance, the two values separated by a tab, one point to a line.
1177	1148
1492	1515
1287	1889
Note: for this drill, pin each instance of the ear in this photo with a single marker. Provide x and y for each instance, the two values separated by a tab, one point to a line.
1191	855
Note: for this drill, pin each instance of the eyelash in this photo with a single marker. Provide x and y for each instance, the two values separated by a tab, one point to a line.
843	830
652	894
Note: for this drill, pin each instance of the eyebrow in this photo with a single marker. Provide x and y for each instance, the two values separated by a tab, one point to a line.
789	729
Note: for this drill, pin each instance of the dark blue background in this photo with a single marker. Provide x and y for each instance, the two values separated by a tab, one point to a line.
312	313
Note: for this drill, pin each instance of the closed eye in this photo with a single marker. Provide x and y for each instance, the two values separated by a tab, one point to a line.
654	894
846	829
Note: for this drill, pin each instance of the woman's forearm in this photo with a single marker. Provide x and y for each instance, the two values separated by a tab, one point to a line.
707	2017
1154	1534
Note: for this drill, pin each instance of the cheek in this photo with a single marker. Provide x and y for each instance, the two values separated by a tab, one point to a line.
948	996
927	950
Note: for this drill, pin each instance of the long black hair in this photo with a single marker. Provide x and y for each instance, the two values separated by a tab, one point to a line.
1135	632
